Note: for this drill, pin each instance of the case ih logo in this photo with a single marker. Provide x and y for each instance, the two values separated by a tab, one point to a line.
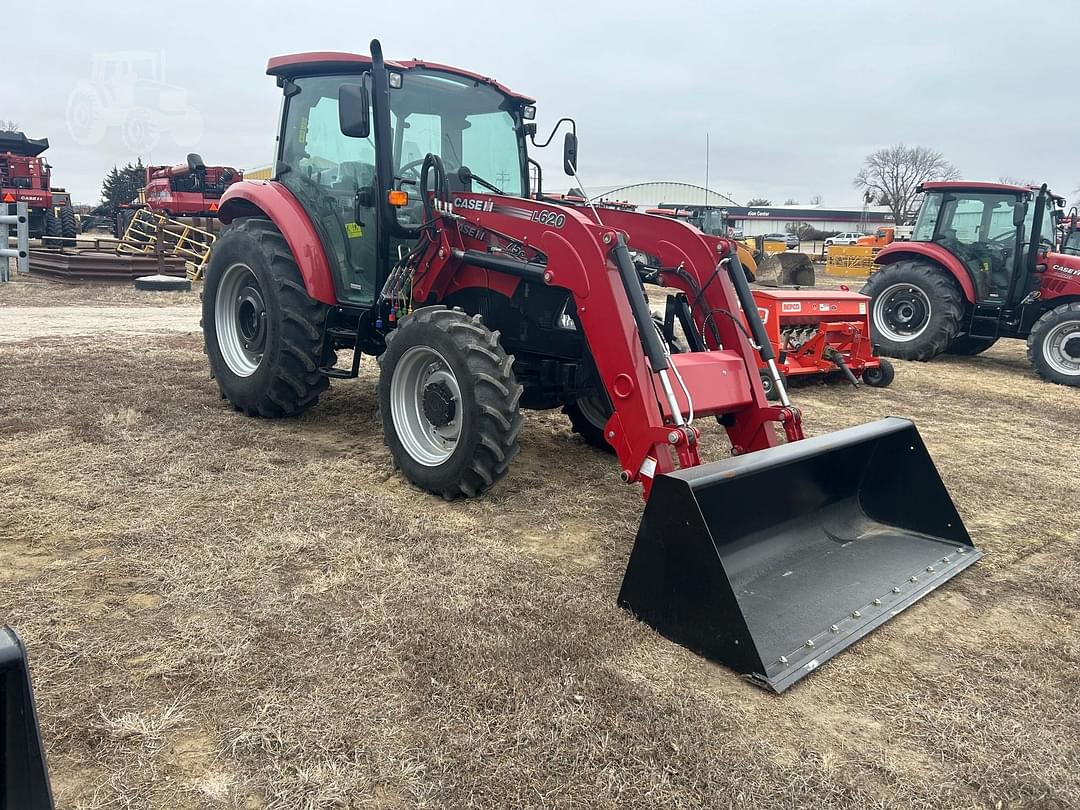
1063	269
791	306
472	205
763	314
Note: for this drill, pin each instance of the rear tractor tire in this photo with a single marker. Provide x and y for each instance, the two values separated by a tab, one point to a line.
968	346
880	376
449	402
589	413
263	333
1053	346
588	416
915	309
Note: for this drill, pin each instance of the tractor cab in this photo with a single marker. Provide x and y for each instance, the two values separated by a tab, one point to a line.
1070	239
996	231
353	160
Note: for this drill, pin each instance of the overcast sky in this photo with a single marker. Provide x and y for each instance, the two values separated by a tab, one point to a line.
793	94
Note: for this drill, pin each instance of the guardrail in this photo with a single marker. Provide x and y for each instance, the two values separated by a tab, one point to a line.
856	261
21	239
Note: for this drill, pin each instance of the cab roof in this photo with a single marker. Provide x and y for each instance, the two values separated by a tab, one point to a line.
945	185
315	63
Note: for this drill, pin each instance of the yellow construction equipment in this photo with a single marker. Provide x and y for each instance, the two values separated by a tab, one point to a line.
855	261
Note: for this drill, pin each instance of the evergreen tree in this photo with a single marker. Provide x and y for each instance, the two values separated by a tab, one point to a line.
121	186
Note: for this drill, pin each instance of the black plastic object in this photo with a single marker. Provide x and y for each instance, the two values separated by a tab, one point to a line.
773	562
24	779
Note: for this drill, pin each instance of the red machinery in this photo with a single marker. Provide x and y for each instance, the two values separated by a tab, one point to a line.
820	332
427	249
983	263
25	177
190	189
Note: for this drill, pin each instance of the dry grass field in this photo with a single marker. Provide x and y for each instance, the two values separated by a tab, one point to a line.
235	613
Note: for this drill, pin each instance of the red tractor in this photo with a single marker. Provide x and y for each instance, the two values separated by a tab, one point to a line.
982	264
1070	235
190	189
401	225
25	177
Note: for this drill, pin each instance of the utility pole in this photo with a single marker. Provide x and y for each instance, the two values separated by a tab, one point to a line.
706	168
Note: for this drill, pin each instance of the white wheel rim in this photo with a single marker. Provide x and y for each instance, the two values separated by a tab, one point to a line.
425	404
240	320
1059	348
902	312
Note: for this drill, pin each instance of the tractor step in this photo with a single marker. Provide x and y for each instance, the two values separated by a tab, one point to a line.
331	336
985	321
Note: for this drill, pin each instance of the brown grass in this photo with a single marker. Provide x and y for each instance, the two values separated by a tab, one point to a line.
227	612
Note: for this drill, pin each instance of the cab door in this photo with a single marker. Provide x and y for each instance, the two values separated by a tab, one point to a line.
333	178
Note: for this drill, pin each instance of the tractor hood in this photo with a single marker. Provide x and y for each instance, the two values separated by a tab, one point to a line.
17	143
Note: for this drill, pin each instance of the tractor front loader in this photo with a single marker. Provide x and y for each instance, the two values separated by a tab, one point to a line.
24	779
407	222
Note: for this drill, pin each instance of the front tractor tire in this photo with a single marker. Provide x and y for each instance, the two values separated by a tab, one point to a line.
263	333
449	402
69	226
52	230
1053	346
915	309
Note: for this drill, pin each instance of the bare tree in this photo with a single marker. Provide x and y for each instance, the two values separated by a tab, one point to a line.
758	201
892	175
1013	180
817	199
9	126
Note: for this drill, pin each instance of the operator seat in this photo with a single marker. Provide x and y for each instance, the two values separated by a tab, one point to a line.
354	175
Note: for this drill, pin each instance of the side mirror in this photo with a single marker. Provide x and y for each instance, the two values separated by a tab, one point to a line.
1019	213
569	154
354	110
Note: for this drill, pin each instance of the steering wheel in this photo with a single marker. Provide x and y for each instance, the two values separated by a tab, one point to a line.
414	166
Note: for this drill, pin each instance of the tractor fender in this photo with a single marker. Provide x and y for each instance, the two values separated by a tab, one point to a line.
275	202
899	251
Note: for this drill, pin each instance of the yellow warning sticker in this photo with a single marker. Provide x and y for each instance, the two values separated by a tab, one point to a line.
353	230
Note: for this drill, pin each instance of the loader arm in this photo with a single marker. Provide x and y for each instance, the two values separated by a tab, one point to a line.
561	246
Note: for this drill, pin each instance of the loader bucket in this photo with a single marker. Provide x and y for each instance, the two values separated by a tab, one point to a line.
773	562
24	781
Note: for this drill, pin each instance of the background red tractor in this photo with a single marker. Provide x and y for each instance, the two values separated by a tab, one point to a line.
25	177
401	225
982	264
190	189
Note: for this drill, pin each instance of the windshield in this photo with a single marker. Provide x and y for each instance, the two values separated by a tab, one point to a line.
463	121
